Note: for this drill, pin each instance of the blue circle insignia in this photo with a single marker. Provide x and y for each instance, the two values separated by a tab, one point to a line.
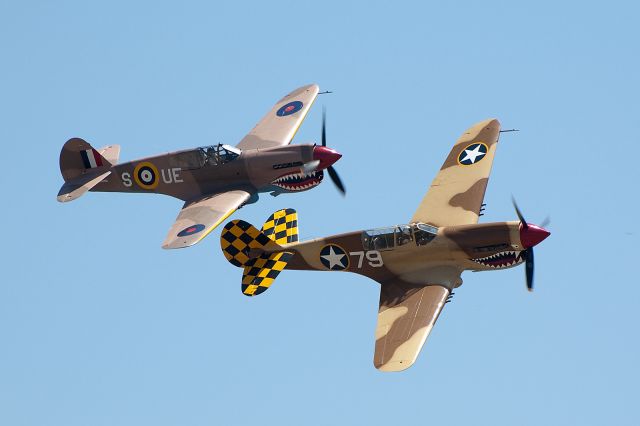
290	108
334	257
190	230
473	153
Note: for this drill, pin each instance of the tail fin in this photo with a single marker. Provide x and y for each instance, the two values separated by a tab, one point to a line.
259	252
282	226
77	158
83	167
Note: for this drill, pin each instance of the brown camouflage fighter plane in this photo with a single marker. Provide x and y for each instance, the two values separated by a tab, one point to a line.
417	264
214	180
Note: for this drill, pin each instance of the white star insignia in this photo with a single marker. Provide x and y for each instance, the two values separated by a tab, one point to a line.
334	258
472	154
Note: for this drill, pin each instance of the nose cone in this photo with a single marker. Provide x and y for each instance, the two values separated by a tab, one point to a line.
532	235
326	156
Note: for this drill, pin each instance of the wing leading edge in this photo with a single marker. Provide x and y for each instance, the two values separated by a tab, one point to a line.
456	194
405	318
281	123
198	218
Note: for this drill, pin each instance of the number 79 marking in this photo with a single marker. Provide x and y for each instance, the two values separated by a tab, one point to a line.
374	259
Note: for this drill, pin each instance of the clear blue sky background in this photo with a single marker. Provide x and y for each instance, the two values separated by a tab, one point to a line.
100	326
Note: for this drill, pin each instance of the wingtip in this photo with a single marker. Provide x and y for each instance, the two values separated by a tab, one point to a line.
394	366
492	122
313	87
177	244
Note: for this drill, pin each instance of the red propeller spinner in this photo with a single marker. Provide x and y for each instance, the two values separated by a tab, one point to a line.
532	235
326	156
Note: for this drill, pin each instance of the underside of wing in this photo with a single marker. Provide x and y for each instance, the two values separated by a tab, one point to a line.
198	218
405	318
456	194
281	123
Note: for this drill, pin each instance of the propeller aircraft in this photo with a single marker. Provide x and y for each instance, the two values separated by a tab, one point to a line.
417	264
215	180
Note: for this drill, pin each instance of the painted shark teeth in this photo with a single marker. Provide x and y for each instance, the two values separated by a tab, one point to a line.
295	177
299	181
503	259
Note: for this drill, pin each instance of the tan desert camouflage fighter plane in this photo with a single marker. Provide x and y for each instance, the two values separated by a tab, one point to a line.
417	264
214	180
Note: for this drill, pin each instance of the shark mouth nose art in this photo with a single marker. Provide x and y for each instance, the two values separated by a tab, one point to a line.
299	181
503	259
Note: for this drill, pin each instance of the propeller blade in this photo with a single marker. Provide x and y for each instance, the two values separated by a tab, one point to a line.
519	213
336	179
332	172
324	125
545	222
528	258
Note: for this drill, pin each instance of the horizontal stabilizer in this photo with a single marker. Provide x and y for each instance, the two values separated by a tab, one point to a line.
74	188
110	153
261	271
239	238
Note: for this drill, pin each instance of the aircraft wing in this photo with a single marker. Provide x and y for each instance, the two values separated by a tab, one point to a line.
406	316
456	193
278	127
198	218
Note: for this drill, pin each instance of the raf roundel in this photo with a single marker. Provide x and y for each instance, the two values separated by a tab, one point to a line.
473	154
290	108
190	230
334	257
146	175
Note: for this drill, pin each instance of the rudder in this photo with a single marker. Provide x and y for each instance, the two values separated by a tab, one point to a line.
78	157
282	226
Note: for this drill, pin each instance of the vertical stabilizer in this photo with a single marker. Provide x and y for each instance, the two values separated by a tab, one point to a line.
79	158
83	167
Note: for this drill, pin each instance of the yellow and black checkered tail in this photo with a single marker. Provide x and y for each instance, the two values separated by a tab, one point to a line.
282	226
241	242
244	246
257	278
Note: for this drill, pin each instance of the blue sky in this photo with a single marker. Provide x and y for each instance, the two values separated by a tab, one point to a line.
101	326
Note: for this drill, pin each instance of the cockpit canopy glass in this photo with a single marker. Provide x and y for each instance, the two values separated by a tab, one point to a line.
219	154
424	233
395	236
213	155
